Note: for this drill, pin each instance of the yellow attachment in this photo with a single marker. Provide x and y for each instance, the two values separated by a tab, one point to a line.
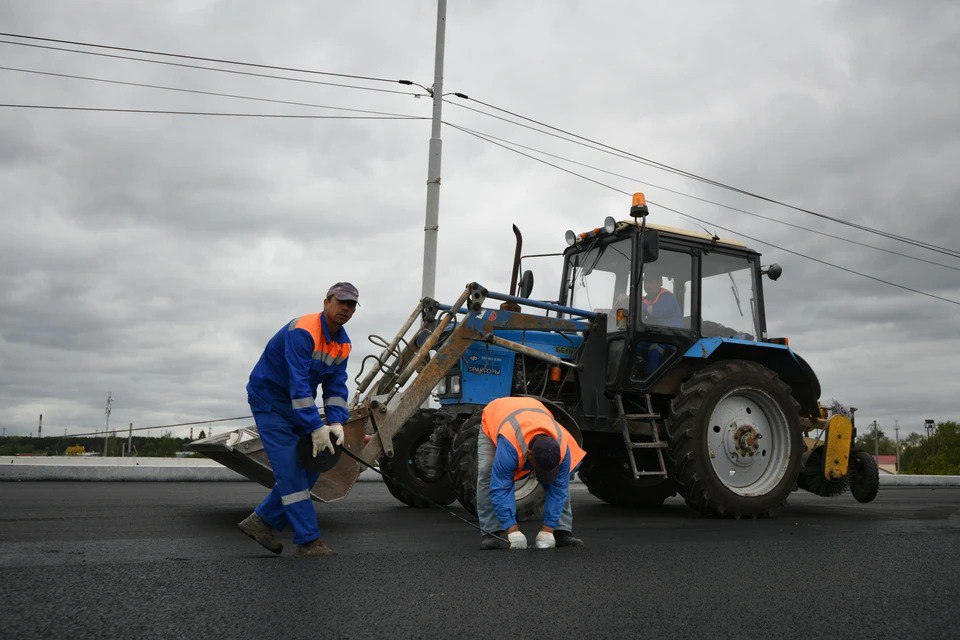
838	443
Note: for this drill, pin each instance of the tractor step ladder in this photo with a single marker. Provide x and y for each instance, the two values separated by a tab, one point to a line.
656	444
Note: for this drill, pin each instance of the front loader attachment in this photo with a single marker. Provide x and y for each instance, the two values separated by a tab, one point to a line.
242	451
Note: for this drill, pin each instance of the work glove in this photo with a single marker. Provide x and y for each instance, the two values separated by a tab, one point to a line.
321	440
336	433
545	540
517	540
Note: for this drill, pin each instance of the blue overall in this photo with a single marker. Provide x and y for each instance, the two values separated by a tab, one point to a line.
282	394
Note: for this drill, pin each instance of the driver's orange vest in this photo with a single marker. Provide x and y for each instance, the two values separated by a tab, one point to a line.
518	420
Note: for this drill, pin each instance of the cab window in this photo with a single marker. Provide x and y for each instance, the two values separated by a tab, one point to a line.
667	290
599	280
728	299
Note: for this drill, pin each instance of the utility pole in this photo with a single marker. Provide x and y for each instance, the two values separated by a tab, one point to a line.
130	441
896	431
107	427
876	439
431	225
40	427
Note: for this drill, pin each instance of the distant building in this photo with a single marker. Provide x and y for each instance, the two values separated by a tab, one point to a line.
887	463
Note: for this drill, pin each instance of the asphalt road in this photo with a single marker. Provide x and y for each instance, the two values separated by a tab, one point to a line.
164	560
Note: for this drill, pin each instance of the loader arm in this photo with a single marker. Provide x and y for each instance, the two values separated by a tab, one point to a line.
388	412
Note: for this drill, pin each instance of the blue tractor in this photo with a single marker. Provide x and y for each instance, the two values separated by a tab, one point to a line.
654	355
663	370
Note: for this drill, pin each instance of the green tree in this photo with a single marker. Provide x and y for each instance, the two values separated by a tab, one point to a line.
937	455
869	441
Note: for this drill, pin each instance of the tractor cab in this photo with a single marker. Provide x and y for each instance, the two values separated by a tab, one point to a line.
661	290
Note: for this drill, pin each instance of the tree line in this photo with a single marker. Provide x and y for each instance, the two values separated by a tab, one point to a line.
938	454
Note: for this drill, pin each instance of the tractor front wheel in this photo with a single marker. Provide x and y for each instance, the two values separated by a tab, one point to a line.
416	469
462	467
735	440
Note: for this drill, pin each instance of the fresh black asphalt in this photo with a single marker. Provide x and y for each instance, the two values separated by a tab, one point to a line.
160	560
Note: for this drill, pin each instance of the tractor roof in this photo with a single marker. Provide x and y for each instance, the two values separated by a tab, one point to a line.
697	235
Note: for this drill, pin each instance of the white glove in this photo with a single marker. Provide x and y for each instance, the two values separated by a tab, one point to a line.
545	540
517	540
336	433
321	440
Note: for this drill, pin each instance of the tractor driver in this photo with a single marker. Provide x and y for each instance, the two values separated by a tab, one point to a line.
308	351
520	436
660	306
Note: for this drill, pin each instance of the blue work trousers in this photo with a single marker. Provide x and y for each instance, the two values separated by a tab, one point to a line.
289	500
489	523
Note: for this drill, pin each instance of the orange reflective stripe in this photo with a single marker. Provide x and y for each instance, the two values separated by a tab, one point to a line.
328	351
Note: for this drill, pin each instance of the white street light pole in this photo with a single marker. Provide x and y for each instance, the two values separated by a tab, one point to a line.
431	225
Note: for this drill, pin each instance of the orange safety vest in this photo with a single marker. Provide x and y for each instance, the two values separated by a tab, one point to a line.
518	420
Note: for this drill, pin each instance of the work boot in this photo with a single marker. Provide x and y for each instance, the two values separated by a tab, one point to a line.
254	526
490	541
566	539
314	549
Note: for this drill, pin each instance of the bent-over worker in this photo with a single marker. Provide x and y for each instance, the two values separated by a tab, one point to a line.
309	351
519	436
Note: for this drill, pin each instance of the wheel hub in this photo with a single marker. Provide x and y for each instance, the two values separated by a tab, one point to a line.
749	441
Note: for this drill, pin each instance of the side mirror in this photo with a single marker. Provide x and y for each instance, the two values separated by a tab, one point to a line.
526	284
773	272
650	245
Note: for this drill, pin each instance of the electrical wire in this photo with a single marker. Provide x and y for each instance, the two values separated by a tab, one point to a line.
202	58
205	93
710	181
713	202
156	426
703	221
209	113
216	69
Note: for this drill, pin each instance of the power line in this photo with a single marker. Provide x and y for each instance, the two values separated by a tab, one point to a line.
216	69
705	200
205	59
703	221
209	113
716	183
803	255
206	93
156	426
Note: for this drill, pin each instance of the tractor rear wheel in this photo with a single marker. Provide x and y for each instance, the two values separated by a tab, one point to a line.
610	479
864	475
735	440
462	468
416	469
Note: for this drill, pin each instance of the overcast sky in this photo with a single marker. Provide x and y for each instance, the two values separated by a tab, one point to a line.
153	255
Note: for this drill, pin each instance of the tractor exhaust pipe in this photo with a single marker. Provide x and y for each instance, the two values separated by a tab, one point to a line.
514	274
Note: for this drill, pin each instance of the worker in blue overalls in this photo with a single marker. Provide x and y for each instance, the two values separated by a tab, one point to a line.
309	351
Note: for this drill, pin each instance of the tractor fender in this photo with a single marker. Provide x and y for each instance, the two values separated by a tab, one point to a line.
779	358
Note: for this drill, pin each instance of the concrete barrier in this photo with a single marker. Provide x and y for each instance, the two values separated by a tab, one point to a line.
890	480
94	469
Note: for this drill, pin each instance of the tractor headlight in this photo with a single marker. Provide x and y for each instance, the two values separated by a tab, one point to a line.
610	224
570	237
454	384
441	388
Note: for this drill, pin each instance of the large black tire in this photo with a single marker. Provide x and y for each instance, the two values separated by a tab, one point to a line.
405	479
748	399
609	478
864	475
462	467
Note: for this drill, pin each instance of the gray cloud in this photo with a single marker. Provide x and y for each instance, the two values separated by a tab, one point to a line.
154	255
